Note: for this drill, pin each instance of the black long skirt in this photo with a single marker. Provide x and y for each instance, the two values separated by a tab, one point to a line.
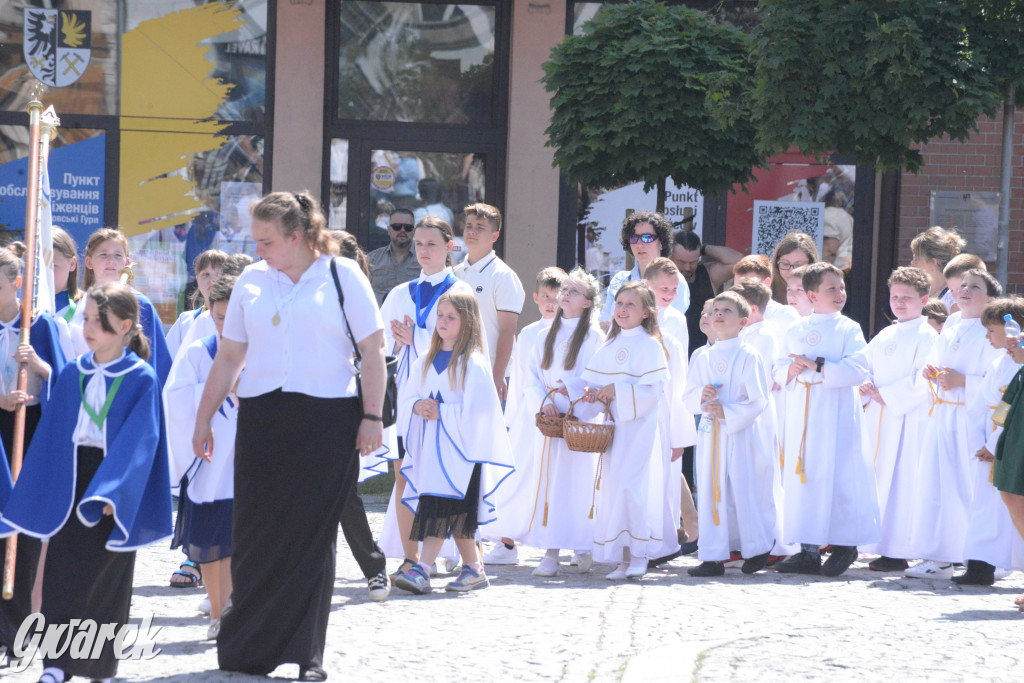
14	611
83	580
295	462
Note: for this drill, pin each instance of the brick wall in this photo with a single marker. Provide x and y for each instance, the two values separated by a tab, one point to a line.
969	166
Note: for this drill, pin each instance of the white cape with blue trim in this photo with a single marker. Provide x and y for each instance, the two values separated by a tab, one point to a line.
441	454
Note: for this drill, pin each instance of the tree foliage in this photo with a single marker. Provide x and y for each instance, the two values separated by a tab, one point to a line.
996	38
868	78
652	91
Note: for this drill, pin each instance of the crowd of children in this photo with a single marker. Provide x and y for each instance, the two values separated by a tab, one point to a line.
810	442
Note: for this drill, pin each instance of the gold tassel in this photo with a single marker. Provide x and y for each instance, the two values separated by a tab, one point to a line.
591	515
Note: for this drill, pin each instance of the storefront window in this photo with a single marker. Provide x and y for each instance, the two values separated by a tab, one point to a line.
427	183
413	62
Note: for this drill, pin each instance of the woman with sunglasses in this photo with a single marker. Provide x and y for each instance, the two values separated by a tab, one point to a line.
647	235
394	263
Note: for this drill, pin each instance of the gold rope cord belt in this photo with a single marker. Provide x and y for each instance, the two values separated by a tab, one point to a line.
936	399
803	437
545	451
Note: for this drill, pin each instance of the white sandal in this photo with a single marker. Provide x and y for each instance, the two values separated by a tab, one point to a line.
214	630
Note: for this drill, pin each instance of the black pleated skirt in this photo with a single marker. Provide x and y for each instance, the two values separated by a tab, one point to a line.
83	580
295	463
14	611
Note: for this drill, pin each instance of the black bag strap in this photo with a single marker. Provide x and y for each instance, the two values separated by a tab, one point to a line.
341	301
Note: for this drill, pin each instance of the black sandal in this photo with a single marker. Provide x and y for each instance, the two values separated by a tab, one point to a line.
312	673
195	578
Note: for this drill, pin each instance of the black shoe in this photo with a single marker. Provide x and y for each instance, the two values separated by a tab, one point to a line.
978	574
801	563
705	569
888	564
840	560
312	673
651	564
688	548
755	563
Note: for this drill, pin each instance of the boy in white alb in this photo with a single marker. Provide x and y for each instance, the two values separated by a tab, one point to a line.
514	499
663	277
896	403
830	489
992	541
736	472
759	267
764	338
955	370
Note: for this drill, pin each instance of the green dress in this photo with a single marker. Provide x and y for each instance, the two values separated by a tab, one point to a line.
1009	467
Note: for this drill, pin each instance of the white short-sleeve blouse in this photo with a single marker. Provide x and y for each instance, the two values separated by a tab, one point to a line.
308	350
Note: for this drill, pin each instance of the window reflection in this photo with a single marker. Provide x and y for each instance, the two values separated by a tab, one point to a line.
427	183
424	63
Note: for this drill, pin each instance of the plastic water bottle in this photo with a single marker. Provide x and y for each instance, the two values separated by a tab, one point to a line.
1011	327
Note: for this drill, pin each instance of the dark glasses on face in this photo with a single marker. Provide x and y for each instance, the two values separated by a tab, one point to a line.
408	227
646	238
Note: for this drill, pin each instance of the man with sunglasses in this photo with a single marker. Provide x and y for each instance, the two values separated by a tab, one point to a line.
395	263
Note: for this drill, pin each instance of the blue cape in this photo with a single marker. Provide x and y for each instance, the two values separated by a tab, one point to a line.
45	339
159	356
133	477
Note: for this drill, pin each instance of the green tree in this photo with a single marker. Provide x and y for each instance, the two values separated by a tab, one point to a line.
651	91
996	38
867	78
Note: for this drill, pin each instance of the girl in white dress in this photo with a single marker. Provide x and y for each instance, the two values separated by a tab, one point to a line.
630	370
457	451
561	484
207	268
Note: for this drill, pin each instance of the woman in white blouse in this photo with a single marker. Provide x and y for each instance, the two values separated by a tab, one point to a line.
300	424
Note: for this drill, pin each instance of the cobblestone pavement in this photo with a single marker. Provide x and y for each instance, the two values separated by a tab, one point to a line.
668	626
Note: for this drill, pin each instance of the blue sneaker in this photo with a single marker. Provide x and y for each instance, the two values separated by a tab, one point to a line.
468	580
415	580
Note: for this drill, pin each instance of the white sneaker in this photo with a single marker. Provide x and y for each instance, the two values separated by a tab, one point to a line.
379	586
584	562
204	606
499	554
618	574
548	567
450	565
930	569
637	568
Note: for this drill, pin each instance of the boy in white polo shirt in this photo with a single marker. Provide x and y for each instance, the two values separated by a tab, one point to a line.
500	295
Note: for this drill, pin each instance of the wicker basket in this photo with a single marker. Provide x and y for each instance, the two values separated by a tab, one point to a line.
550	427
586	437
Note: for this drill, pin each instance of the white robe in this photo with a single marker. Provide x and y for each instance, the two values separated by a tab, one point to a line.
397	305
521	430
207	481
991	535
830	488
441	454
893	433
630	511
736	463
675	422
765	338
553	506
944	478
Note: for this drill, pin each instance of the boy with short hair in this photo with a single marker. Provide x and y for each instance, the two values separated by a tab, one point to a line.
520	422
830	489
955	370
795	294
662	276
992	540
954	273
728	386
497	287
759	267
896	404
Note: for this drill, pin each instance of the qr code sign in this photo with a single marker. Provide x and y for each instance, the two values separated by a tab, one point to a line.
775	220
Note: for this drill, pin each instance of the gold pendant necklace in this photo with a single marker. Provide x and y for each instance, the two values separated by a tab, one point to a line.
276	319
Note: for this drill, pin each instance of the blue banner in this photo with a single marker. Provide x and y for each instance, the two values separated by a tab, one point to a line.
77	184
